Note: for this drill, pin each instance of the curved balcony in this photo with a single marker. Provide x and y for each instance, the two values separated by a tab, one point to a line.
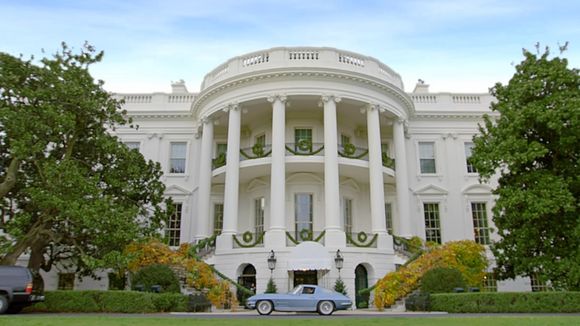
302	57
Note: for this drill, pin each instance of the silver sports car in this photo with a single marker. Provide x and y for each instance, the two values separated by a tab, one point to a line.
302	298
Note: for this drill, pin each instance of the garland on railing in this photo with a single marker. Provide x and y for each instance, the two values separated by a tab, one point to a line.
387	161
248	239
219	161
257	150
305	235
362	237
207	242
304	148
349	150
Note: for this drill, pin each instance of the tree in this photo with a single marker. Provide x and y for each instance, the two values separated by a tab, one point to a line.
70	192
271	286
533	146
339	286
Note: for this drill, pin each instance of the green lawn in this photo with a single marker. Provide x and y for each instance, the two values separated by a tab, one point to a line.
32	320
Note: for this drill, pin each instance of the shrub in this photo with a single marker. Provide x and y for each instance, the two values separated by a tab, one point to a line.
339	286
111	301
271	287
418	302
442	280
156	275
507	302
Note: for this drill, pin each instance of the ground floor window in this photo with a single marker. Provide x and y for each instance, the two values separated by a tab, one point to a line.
259	204
489	283
66	281
218	218
347	215
303	214
432	222
117	282
389	217
173	229
480	225
538	285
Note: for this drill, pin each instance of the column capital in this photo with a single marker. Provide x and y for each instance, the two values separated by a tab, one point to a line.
234	106
277	97
373	106
327	98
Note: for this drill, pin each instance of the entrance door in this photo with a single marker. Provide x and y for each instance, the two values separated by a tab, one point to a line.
361	281
305	277
247	280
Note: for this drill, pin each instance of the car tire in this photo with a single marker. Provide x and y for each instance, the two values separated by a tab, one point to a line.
3	304
325	308
264	307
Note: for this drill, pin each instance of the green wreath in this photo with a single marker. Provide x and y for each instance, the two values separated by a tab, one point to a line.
258	150
305	145
362	236
349	149
247	237
305	235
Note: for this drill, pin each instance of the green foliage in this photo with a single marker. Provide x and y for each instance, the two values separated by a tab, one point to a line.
533	143
156	275
420	301
111	301
339	286
71	192
507	302
442	280
271	287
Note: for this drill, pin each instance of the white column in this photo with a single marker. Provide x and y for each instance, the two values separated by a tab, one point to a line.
376	183
276	236
401	179
334	235
203	199
232	185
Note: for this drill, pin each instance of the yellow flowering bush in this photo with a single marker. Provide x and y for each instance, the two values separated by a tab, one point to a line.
466	256
199	275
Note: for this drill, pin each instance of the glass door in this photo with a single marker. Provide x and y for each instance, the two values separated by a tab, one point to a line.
303	215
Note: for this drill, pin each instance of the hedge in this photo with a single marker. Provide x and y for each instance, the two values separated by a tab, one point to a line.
111	301
502	302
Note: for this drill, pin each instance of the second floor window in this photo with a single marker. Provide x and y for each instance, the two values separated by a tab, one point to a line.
468	150
132	144
427	157
177	160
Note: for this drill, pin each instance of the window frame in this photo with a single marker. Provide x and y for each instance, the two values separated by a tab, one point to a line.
66	282
218	220
420	159
171	169
469	168
436	218
259	213
478	229
173	227
347	214
389	218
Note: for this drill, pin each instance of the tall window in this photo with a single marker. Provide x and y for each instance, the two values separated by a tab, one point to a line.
302	212
468	150
261	140
302	134
177	160
132	144
259	204
489	283
218	218
347	215
480	226
66	281
389	217
427	157
432	222
173	228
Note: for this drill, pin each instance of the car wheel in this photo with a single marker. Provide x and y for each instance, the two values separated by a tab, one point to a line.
264	307
3	304
325	308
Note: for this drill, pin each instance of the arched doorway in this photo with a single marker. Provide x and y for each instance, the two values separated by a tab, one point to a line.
361	281
248	280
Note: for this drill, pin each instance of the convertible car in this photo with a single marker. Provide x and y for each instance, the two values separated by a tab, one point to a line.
303	298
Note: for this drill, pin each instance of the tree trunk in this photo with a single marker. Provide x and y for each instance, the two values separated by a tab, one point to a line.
10	179
15	252
35	262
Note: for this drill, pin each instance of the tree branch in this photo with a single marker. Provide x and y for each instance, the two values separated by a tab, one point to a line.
10	179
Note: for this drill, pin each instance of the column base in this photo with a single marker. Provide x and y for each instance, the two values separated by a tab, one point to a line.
275	239
385	242
224	242
334	239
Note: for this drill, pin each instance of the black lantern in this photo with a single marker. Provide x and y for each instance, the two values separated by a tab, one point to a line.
272	260
338	260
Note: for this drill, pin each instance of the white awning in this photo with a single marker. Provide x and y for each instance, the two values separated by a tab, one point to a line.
309	255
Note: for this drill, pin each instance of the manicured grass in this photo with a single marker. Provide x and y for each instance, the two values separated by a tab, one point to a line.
32	320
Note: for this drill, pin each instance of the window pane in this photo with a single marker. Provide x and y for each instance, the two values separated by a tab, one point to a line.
66	281
468	152
480	224
218	218
427	157
389	217
344	139
427	166
303	212
261	140
432	223
173	229
178	150
347	215
302	134
132	144
177	160
221	149
259	215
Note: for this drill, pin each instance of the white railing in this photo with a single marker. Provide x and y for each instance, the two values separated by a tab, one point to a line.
424	98
180	98
302	58
466	99
156	98
137	99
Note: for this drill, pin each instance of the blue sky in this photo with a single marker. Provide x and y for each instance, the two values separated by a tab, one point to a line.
454	45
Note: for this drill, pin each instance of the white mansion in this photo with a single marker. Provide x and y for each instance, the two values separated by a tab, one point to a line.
306	154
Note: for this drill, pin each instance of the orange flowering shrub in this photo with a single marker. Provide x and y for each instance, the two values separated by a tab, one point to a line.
199	275
466	256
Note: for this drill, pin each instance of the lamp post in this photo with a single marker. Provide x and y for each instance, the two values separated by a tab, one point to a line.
338	261
272	261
